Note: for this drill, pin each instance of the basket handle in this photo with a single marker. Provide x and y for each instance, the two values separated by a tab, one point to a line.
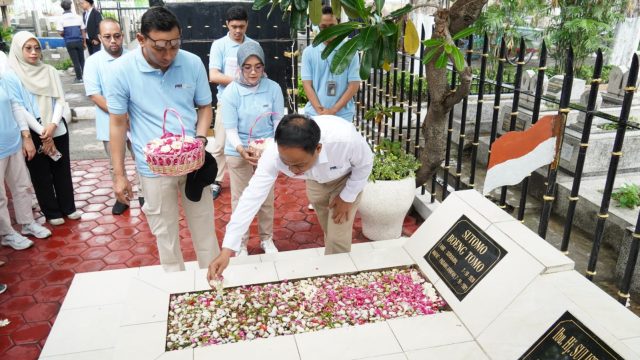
164	121
264	114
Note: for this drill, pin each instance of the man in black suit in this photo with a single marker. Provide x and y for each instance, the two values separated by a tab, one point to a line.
91	19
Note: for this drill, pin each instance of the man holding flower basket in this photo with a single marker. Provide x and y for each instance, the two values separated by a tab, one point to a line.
160	86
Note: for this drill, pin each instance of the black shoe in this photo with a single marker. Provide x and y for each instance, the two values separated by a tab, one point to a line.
119	208
216	189
141	200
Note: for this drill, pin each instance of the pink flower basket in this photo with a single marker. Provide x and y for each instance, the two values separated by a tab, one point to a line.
257	146
174	155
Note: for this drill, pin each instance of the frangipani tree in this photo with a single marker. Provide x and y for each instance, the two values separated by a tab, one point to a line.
377	36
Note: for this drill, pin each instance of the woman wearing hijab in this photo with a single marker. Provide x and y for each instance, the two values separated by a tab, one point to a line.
15	145
41	101
251	96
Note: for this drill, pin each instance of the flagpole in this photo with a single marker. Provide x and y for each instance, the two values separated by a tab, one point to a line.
563	111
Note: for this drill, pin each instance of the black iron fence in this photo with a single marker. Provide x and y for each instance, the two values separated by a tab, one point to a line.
129	18
405	86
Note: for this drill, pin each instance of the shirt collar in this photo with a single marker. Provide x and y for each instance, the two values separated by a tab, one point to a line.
247	91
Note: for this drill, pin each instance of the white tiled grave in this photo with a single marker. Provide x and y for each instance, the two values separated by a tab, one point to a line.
122	314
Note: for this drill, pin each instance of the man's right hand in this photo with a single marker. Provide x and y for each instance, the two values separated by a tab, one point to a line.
218	264
122	189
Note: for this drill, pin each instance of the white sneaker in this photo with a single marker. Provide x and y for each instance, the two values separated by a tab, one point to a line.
56	221
75	215
268	246
16	241
243	251
36	230
310	207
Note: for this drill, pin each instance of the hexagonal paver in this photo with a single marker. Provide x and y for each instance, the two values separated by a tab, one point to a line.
104	229
93	253
121	244
17	305
298	226
41	312
59	277
67	262
73	249
26	287
144	237
295	216
125	233
143	260
117	257
51	293
36	271
89	265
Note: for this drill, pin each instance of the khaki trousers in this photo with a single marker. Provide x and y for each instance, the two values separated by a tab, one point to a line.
218	146
337	237
240	172
162	212
13	172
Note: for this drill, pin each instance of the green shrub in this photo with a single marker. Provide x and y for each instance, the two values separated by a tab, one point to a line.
627	196
392	163
63	65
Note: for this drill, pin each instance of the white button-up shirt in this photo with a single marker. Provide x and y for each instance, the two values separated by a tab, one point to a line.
344	151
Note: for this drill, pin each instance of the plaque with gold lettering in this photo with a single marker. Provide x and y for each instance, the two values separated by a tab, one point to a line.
464	256
569	339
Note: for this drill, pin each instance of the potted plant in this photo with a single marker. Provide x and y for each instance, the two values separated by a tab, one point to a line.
389	194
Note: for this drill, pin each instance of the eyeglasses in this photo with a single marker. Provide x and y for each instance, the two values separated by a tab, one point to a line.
116	36
32	48
165	44
257	68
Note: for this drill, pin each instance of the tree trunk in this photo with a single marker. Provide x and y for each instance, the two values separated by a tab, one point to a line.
461	15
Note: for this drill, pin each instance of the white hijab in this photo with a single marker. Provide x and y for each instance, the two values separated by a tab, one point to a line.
41	80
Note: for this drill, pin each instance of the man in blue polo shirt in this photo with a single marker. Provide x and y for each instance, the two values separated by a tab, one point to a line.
144	83
328	94
96	71
71	28
223	67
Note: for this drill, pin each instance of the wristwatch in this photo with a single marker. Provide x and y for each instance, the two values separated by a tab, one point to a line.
204	139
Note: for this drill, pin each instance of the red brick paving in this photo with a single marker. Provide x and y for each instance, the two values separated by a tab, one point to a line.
39	277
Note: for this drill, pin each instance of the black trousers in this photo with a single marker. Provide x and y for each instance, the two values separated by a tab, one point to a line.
76	53
92	48
52	179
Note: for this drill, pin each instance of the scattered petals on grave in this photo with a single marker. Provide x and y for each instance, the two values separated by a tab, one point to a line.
293	307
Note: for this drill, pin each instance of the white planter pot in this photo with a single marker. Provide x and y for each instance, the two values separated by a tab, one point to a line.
384	206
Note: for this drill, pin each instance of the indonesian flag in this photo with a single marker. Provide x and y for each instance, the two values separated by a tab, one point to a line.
517	153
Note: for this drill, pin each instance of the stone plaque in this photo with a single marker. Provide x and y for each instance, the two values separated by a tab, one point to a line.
568	338
463	256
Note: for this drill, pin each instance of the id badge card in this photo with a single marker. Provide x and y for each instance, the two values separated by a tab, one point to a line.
331	88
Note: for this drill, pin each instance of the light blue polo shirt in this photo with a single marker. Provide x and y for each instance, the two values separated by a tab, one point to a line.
241	106
21	95
10	140
144	92
96	69
222	56
316	69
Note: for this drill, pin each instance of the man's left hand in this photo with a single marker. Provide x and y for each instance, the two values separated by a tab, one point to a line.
340	209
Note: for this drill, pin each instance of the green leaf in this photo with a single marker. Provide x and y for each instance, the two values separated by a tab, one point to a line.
274	5
365	65
368	38
463	33
377	54
284	5
301	4
337	30
403	10
351	13
298	19
458	59
448	48
332	45
344	54
391	48
315	11
432	42
379	6
442	61
259	4
336	6
388	28
431	54
356	6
